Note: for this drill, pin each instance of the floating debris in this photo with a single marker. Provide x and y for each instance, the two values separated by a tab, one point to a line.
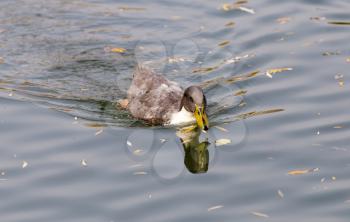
176	59
128	143
127	8
283	20
340	79
117	50
96	125
334	178
244	9
140	173
163	140
338	127
230	24
280	193
300	172
99	132
241	92
224	43
2	60
24	164
329	53
83	163
271	72
339	22
137	152
318	18
259	214
215	207
221	129
221	142
348	59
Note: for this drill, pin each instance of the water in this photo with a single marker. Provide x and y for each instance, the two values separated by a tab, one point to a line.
88	161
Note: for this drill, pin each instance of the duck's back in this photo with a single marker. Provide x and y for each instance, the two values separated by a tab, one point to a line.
152	97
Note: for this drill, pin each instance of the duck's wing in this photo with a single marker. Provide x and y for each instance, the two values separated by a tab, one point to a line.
152	97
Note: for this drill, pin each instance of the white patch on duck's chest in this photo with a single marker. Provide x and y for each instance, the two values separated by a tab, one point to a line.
182	117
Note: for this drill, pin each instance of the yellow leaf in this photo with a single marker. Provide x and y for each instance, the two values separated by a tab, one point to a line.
271	72
227	7
118	50
300	172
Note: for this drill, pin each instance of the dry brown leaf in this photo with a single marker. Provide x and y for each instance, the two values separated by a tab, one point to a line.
224	43
241	92
230	24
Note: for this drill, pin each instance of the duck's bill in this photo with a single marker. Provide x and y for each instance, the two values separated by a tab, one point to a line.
201	118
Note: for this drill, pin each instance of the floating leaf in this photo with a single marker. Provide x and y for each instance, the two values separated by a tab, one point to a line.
224	43
163	140
340	79
271	72
99	132
328	53
127	8
215	208
339	22
24	164
95	125
241	92
137	151
280	193
244	9
118	50
221	128
83	163
1	60
221	142
227	7
300	172
258	214
140	173
283	20
230	24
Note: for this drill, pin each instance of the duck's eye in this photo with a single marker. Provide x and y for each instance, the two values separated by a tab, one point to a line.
191	99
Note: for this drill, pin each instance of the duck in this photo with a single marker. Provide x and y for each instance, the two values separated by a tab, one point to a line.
156	100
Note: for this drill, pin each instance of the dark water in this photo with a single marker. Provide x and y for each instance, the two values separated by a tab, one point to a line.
67	154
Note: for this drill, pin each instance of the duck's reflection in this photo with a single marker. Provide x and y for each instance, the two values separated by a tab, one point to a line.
196	152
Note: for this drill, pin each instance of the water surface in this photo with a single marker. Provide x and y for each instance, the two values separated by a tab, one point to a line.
67	154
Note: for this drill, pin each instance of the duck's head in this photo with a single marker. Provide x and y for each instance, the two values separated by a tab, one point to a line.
194	101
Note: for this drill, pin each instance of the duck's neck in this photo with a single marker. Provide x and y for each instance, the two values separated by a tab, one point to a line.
182	117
